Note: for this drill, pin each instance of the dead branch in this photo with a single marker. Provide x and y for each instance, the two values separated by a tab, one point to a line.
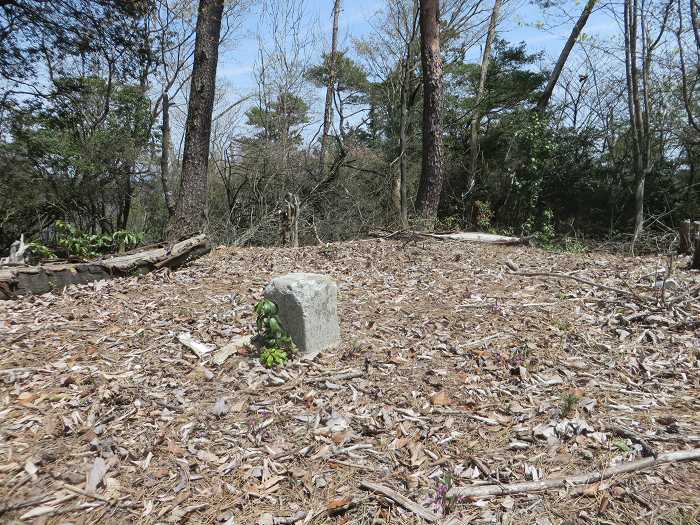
578	479
617	430
418	510
556	275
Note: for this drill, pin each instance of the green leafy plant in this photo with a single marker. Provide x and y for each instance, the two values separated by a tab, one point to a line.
622	445
483	214
278	346
573	245
125	239
544	234
273	356
41	250
82	244
448	224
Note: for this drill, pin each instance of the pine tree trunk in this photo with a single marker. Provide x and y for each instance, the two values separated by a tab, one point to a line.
328	107
191	209
430	187
400	191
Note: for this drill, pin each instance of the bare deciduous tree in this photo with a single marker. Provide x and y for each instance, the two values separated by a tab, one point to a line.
476	114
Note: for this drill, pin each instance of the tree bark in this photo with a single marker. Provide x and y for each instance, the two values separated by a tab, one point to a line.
695	264
684	237
564	55
328	108
476	115
631	74
165	156
430	187
191	209
400	195
695	21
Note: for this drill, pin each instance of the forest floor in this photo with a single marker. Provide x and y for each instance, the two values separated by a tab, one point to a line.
453	371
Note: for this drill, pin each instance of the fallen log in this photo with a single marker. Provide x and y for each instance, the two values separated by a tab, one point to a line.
19	280
483	238
480	491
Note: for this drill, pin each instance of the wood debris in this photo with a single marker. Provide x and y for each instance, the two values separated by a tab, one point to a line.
455	373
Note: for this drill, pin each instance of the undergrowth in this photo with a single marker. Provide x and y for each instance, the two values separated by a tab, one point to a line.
278	346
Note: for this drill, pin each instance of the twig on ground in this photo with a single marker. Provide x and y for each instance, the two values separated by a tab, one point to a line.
339	377
25	503
85	493
617	430
288	520
578	479
418	510
556	275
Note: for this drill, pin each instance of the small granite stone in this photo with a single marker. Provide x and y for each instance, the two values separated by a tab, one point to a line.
307	309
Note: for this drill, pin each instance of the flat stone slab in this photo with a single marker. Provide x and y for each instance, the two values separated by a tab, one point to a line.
308	309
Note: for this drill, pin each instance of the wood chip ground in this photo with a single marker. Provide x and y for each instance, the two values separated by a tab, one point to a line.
453	371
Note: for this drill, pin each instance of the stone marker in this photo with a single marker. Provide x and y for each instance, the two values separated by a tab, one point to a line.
307	309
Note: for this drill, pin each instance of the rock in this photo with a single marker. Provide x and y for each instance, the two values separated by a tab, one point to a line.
668	284
307	309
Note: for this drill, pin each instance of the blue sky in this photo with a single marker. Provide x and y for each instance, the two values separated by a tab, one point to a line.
236	64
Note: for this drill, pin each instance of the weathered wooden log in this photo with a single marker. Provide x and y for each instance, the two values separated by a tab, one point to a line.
484	238
19	280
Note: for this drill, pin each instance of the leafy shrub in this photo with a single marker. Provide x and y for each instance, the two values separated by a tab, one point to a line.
41	251
82	244
483	215
278	347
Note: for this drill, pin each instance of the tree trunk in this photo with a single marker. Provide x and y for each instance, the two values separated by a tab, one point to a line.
476	115
633	104
430	187
695	21
684	237
695	265
289	221
400	188
191	209
640	107
123	221
165	156
564	55
328	108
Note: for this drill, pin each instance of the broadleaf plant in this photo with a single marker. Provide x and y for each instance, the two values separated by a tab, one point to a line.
278	346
